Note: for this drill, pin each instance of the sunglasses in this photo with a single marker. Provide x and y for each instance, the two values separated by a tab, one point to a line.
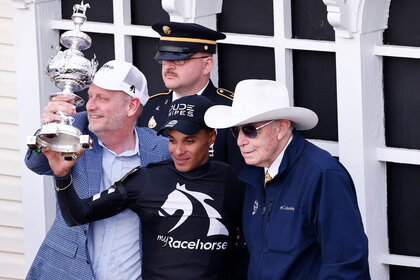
248	130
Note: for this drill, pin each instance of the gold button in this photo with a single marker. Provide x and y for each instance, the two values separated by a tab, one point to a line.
167	30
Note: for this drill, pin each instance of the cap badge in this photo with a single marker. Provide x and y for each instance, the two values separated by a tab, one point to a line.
171	123
133	89
206	47
167	30
152	122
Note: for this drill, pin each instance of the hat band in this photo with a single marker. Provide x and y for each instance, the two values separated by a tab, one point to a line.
190	40
174	49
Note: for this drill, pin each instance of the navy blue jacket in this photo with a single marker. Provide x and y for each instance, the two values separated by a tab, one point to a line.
306	223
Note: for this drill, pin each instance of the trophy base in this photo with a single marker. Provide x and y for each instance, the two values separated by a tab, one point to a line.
61	138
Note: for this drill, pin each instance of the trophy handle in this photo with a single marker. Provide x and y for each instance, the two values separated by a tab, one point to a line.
65	118
78	101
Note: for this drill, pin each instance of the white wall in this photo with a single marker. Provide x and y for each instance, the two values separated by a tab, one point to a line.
12	261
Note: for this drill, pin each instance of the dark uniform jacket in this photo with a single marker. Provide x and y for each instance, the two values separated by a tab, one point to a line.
189	219
225	149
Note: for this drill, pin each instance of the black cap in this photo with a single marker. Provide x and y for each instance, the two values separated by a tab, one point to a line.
182	40
186	114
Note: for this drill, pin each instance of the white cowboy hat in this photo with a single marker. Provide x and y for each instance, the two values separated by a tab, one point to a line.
256	101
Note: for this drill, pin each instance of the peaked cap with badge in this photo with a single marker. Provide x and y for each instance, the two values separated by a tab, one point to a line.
182	40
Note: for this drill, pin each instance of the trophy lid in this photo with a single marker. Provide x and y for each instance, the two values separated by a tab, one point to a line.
75	40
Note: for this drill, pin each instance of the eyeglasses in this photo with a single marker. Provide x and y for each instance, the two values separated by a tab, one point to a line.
249	130
179	62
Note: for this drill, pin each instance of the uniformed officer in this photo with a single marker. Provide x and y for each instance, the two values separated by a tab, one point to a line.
185	51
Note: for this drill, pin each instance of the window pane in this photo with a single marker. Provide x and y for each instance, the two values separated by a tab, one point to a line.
402	102
403	23
403	209
144	50
246	17
238	63
404	273
146	12
100	10
315	88
309	20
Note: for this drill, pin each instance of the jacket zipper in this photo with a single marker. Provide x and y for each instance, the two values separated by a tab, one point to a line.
265	231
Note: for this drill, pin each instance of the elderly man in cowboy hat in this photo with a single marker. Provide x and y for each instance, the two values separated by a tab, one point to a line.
301	219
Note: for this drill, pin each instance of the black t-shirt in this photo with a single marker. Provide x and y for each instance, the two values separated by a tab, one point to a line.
189	219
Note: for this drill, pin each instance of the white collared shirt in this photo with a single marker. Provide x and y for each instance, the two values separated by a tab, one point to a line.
274	167
175	95
113	243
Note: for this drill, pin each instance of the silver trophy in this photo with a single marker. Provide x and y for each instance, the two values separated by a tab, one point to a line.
70	71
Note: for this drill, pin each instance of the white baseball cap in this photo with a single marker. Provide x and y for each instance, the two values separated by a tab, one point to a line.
124	76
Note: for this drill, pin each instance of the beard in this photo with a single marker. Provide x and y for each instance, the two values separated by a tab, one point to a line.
107	123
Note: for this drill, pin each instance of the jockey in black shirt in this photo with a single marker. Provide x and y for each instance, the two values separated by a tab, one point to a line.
190	207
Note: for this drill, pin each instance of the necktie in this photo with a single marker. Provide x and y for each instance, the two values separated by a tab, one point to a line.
267	177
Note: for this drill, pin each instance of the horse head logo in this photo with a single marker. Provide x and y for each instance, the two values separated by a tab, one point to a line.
178	200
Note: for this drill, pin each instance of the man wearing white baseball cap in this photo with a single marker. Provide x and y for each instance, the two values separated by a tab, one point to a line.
300	219
123	76
107	249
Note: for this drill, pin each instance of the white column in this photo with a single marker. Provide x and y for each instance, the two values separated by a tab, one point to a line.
202	12
122	18
361	131
283	56
35	42
359	25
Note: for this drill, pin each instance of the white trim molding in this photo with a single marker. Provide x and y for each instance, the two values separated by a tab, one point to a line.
349	17
343	16
34	42
21	4
191	10
400	260
398	155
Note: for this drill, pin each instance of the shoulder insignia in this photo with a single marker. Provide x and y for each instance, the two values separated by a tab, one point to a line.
152	122
225	93
127	174
159	94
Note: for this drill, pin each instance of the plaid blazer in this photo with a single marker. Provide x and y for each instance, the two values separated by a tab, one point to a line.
63	253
